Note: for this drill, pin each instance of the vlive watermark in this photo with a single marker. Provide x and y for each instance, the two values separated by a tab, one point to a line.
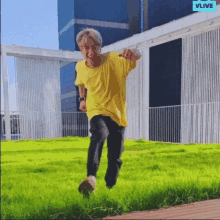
206	6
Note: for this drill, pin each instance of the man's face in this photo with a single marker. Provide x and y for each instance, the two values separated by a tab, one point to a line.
88	48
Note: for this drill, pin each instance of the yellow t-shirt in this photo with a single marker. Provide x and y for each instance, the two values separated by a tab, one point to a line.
106	86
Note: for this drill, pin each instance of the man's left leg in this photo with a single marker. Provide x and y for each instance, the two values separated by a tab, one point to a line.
115	144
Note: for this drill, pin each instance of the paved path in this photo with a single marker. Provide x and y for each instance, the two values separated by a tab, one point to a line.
209	209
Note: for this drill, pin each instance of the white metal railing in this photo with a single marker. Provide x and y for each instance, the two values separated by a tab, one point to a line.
192	123
73	124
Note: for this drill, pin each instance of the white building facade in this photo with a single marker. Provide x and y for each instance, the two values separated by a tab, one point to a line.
196	119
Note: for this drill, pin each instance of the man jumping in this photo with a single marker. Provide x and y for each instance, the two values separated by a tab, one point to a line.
104	76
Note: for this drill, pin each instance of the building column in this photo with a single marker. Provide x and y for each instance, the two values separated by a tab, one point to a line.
146	89
6	95
145	14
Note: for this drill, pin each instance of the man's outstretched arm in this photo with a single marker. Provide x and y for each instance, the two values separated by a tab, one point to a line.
129	54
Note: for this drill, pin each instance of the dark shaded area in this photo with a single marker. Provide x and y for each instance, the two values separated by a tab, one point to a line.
165	90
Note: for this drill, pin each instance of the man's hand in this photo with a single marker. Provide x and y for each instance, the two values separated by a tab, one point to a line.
129	54
82	106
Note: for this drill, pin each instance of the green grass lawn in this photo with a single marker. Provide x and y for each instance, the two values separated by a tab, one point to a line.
40	178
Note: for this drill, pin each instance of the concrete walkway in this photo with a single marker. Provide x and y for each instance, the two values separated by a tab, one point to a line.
209	209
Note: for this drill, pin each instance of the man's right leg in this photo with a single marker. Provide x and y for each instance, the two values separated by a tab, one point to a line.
99	131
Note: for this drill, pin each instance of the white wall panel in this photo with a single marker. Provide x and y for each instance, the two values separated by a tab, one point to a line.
38	97
201	86
135	99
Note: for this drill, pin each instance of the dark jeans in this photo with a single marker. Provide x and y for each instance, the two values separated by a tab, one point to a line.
102	127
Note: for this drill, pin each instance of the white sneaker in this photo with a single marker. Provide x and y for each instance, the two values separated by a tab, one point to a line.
88	186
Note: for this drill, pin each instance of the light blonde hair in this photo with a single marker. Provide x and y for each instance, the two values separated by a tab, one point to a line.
90	32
